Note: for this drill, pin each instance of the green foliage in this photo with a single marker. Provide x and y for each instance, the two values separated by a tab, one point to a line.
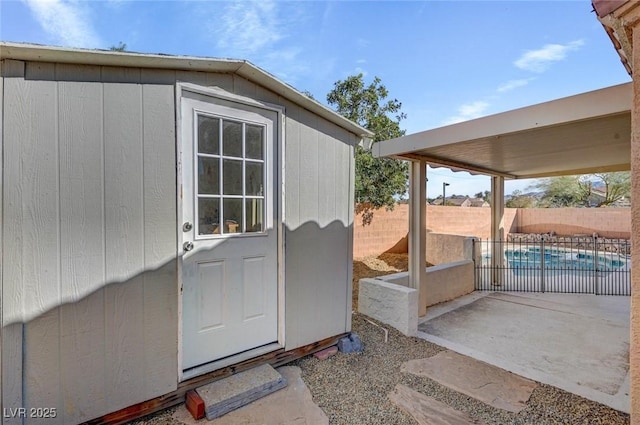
121	47
485	196
578	191
564	191
380	182
617	186
519	200
308	94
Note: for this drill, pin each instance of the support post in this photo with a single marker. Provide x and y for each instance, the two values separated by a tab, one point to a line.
417	228
497	228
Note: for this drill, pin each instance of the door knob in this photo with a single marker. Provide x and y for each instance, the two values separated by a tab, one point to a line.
187	246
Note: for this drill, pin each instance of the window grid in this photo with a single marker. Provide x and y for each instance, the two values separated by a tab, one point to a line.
222	196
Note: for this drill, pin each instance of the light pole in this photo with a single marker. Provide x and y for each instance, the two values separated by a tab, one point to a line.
444	190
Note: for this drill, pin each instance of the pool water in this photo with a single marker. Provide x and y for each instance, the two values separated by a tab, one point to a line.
554	258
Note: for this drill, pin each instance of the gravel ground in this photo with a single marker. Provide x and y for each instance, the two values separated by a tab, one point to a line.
353	389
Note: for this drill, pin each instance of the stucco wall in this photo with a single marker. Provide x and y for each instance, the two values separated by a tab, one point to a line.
474	221
634	351
391	303
444	248
389	229
387	232
606	222
388	298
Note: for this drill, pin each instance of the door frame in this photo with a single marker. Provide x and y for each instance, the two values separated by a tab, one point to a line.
278	189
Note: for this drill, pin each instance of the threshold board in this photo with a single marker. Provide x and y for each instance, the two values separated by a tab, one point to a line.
223	396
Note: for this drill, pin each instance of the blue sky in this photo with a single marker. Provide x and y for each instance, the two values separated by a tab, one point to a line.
446	61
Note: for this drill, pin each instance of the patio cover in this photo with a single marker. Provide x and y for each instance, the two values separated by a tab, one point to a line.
586	133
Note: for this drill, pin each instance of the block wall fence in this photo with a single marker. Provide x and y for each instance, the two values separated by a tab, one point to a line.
388	231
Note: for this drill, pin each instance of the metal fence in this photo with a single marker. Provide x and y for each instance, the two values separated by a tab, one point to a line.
544	263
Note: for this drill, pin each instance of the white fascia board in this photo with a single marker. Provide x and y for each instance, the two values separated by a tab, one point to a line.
607	101
253	73
39	53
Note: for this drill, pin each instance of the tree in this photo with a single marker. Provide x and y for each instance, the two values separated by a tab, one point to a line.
580	191
617	186
308	94
564	191
121	47
485	196
520	200
379	182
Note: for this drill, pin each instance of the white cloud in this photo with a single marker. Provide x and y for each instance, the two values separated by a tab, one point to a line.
363	43
540	60
358	70
67	21
247	27
260	31
468	111
513	84
274	59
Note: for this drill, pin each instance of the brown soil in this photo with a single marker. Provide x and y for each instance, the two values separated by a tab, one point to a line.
374	266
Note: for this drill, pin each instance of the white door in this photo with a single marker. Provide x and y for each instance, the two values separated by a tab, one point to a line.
229	233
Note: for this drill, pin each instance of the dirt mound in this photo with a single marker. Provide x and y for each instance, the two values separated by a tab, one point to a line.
374	266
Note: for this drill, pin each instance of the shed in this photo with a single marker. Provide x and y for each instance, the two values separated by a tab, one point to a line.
166	221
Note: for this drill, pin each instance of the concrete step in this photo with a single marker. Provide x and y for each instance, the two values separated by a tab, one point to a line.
489	384
427	410
223	396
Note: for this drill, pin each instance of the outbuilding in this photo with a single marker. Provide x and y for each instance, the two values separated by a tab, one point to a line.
166	221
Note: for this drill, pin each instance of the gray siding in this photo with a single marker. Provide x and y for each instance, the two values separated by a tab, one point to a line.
319	217
89	278
89	242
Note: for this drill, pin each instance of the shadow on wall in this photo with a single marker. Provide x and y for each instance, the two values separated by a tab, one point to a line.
114	347
117	345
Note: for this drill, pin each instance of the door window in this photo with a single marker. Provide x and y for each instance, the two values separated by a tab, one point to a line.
230	180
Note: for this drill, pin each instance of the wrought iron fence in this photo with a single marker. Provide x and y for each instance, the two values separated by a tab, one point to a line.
544	263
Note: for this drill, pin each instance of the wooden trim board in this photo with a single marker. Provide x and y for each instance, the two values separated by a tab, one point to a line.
275	359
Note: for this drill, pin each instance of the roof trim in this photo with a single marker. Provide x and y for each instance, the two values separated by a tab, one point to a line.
454	165
243	68
490	133
607	101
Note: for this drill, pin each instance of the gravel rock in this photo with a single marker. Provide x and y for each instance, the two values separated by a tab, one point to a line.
353	389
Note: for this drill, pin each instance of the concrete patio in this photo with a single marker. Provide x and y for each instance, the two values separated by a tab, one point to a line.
578	343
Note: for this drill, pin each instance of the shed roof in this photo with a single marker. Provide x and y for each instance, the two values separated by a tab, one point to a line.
243	68
589	132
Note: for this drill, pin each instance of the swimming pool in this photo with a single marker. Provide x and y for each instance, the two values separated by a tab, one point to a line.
545	267
565	259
